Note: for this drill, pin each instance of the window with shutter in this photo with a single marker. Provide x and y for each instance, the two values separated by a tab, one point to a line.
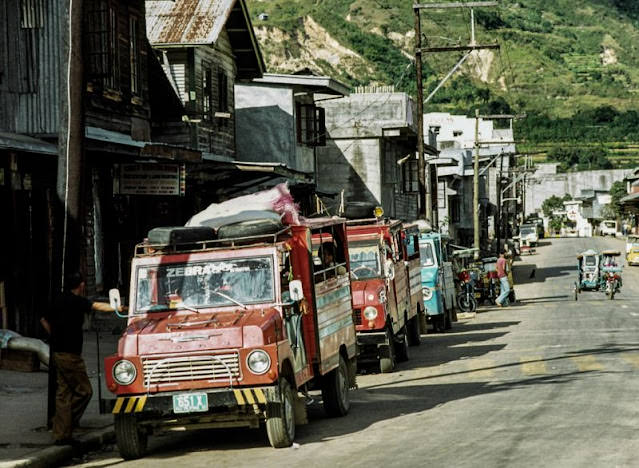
134	53
311	125
102	45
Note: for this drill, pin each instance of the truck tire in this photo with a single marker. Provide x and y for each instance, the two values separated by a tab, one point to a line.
335	390
414	336
387	363
401	346
280	426
130	438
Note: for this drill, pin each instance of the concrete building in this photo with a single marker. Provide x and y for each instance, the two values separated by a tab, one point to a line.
546	182
456	143
369	157
280	123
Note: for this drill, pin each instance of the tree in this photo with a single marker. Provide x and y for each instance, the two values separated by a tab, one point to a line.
608	212
617	192
553	203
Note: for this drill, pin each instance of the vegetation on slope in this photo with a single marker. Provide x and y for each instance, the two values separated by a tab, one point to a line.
572	67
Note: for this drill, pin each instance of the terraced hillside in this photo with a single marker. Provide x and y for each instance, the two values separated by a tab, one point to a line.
572	67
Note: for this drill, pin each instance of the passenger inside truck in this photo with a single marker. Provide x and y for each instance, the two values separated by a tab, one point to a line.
328	260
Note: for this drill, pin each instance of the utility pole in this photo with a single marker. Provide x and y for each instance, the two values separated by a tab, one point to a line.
476	187
427	177
425	202
69	175
70	141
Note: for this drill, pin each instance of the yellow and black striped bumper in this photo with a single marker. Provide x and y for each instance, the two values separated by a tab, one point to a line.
163	402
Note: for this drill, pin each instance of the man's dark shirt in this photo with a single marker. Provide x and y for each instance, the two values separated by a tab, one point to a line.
66	317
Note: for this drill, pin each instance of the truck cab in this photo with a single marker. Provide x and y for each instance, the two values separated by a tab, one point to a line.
224	332
386	290
608	227
528	234
437	280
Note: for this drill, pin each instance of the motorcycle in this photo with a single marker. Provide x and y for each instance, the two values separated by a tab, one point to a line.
466	298
613	283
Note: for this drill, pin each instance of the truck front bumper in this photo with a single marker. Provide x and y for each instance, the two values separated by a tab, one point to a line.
218	400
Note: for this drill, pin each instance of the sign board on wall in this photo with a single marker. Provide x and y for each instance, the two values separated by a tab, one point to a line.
150	179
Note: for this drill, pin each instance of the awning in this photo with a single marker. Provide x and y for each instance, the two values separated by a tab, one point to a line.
234	177
631	199
27	144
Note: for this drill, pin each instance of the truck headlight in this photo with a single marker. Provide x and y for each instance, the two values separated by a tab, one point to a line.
124	372
370	313
427	293
258	362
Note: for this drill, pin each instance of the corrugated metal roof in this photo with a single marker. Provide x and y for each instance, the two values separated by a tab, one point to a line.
186	21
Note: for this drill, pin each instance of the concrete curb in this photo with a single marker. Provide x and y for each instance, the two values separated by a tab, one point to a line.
56	455
466	315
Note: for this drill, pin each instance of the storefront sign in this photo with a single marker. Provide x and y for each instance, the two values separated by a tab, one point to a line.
151	179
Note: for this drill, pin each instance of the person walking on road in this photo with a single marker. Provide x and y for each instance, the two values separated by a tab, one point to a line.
63	321
503	280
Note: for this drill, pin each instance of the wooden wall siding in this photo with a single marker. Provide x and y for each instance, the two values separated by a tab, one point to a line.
218	135
29	65
215	136
113	109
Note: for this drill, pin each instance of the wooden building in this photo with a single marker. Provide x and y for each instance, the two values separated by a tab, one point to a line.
145	146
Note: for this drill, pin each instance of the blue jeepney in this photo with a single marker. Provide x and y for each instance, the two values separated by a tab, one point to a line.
438	284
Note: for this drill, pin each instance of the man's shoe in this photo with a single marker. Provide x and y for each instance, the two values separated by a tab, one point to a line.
498	304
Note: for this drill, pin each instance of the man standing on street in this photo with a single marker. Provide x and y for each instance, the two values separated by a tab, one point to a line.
64	323
503	280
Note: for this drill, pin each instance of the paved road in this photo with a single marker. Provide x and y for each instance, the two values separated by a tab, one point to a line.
548	382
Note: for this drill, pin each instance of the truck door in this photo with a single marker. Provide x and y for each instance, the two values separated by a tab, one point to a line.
448	282
413	270
400	281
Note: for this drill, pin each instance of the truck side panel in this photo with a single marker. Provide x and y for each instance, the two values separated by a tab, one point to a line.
335	320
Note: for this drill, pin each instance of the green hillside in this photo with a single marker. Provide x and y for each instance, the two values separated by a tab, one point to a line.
572	67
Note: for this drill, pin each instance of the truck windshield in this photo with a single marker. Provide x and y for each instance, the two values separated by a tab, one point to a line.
364	258
205	284
426	254
527	231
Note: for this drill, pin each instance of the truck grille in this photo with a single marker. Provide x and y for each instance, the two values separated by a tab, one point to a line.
210	367
357	316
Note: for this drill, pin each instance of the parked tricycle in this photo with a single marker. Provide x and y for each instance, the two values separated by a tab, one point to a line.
598	272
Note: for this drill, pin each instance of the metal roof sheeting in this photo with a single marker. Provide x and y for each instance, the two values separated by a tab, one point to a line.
186	21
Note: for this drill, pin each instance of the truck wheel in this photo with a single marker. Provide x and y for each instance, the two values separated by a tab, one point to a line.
414	336
280	427
335	389
131	439
401	346
387	362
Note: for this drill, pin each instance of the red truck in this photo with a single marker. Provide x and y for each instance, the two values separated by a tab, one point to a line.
387	293
224	332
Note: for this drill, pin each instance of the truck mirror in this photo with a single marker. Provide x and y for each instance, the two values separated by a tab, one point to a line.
295	290
114	299
389	268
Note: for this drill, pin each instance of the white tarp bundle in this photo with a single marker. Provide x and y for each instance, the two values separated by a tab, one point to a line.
275	204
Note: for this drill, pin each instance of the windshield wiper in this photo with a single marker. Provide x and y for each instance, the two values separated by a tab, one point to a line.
182	305
230	299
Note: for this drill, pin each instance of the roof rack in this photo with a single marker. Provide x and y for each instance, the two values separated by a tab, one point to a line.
378	221
146	249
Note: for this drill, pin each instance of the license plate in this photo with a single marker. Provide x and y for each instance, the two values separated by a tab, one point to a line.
190	403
